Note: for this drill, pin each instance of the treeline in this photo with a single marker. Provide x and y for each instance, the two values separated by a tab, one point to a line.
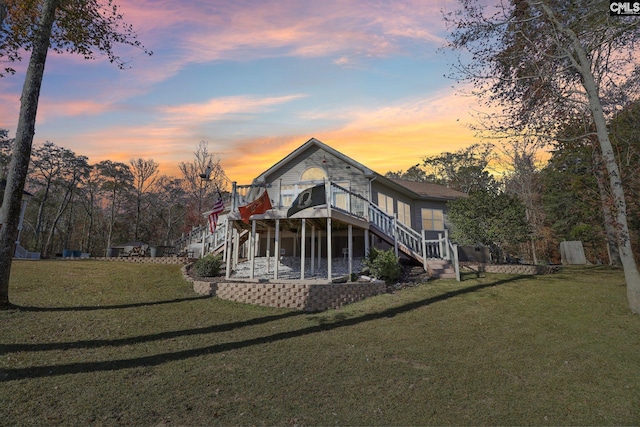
90	207
522	208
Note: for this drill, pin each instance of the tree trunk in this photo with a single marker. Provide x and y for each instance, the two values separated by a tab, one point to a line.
631	275
582	64
10	212
609	222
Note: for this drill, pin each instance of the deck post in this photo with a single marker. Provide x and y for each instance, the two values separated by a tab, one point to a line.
366	242
350	249
319	248
329	273
395	234
303	247
204	238
236	247
252	249
276	249
313	250
227	250
424	249
446	244
328	200
268	247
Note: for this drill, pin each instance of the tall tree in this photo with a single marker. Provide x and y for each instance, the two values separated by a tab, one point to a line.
491	218
116	179
75	170
202	177
465	170
541	62
522	180
49	163
86	27
144	173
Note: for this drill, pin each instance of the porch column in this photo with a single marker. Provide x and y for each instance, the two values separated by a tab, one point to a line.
395	234
303	247
446	245
277	250
350	250
366	242
236	247
319	248
329	248
227	249
226	241
268	247
313	250
424	249
252	248
204	237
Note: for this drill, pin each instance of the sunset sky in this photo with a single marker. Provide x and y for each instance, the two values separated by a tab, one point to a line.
257	79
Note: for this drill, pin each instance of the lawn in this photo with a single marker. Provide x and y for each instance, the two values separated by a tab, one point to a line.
97	343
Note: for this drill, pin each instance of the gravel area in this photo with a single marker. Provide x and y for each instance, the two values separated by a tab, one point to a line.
290	268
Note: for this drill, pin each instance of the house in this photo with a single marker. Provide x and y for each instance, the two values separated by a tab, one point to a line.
319	205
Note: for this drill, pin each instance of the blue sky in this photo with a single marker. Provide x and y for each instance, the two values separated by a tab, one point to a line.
256	79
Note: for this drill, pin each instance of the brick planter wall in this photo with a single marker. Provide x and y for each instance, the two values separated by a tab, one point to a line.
299	296
528	270
147	260
295	295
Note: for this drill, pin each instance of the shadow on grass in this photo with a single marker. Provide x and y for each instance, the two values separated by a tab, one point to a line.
106	307
159	359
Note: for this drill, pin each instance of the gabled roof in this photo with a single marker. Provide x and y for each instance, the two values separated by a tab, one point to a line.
417	190
429	189
314	142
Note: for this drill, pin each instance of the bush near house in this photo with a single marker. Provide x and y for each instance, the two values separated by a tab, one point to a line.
383	265
208	266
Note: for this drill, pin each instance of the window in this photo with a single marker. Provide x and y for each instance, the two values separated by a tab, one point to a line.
313	174
340	198
432	219
385	203
404	213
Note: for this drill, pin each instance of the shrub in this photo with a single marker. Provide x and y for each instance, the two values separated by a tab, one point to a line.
383	265
208	266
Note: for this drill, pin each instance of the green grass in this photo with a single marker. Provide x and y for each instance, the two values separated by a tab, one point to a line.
97	343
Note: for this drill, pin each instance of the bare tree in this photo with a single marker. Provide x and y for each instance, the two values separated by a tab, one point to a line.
145	173
203	176
116	179
541	63
522	181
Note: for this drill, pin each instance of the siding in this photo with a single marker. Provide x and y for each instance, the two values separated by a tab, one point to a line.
416	205
337	171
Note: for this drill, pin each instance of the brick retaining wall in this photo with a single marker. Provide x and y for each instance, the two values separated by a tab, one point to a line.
295	295
147	260
529	270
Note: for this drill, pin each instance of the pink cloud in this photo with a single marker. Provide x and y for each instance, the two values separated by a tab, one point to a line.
216	108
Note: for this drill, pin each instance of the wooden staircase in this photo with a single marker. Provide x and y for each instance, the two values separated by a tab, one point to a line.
441	269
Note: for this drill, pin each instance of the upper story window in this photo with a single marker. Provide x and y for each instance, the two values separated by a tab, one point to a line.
404	213
314	174
385	203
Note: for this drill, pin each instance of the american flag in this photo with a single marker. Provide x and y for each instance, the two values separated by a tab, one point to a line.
218	207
